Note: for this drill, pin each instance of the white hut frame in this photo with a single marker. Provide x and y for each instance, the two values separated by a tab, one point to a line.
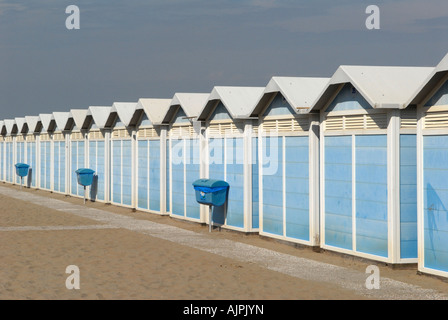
229	152
20	145
10	130
151	160
98	151
77	149
45	153
361	203
431	99
294	215
122	167
184	154
60	152
33	125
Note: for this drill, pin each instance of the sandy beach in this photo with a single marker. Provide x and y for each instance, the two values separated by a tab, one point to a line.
38	243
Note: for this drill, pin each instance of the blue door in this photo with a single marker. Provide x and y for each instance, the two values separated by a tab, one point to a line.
77	161
149	175
45	165
59	156
31	160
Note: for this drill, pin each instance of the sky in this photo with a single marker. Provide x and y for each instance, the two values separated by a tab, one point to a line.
127	50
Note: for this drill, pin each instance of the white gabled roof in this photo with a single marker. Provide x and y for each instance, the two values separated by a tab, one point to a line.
20	122
99	115
32	121
239	101
155	109
78	116
382	87
61	119
9	125
191	103
436	78
125	111
299	92
45	119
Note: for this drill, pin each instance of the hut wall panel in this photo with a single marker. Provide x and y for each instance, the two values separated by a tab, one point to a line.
255	185
297	188
191	175
122	172
149	174
338	191
435	202
31	161
272	186
59	169
20	156
45	165
217	171
77	161
97	163
9	162
408	196
177	172
371	195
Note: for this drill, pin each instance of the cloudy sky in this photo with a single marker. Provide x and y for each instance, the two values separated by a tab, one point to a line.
126	50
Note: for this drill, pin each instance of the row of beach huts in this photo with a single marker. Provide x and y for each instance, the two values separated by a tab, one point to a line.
356	163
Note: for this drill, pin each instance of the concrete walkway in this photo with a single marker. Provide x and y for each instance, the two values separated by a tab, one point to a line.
269	259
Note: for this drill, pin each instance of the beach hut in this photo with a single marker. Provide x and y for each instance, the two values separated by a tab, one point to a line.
77	148
184	154
231	153
10	130
288	169
98	151
122	153
19	147
59	151
367	152
151	150
32	124
431	100
45	153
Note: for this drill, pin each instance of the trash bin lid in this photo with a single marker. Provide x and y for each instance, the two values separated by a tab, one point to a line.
85	171
22	165
210	183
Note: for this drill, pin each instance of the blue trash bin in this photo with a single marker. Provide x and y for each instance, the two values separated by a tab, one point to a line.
85	176
211	192
22	169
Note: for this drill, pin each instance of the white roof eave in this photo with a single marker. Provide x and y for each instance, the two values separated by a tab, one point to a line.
99	115
299	92
191	103
239	101
382	87
45	119
61	119
78	116
155	109
125	111
20	122
9	125
32	123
